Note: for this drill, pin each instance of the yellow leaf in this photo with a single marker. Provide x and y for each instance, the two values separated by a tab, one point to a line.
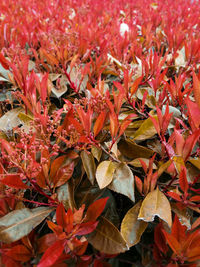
146	130
104	173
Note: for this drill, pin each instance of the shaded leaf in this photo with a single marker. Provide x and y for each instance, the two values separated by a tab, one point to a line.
96	152
89	165
183	215
155	204
107	238
65	195
146	130
123	181
131	150
131	227
19	223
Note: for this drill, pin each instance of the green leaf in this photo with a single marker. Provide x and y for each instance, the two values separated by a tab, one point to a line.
89	165
104	173
155	204
132	228
107	238
19	223
123	181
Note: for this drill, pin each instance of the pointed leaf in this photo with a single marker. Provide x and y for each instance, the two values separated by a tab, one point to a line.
95	209
155	204
89	165
13	180
52	254
131	227
123	181
196	88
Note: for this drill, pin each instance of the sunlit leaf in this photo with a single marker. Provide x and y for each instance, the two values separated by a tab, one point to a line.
104	173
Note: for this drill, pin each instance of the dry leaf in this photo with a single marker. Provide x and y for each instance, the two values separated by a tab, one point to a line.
155	204
131	227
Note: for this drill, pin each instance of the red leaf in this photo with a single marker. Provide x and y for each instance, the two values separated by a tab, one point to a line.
180	141
99	123
60	215
174	196
13	180
69	219
86	228
194	112
183	180
189	144
95	209
45	242
52	254
159	238
196	88
135	85
178	230
139	184
19	253
4	62
173	243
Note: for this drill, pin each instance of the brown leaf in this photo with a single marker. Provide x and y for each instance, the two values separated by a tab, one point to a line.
184	215
131	150
107	238
132	228
104	173
89	165
137	163
123	181
19	223
96	152
146	130
155	204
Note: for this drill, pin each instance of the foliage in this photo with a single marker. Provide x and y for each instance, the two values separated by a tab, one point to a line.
99	133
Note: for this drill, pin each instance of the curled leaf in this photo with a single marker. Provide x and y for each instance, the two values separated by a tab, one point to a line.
155	204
